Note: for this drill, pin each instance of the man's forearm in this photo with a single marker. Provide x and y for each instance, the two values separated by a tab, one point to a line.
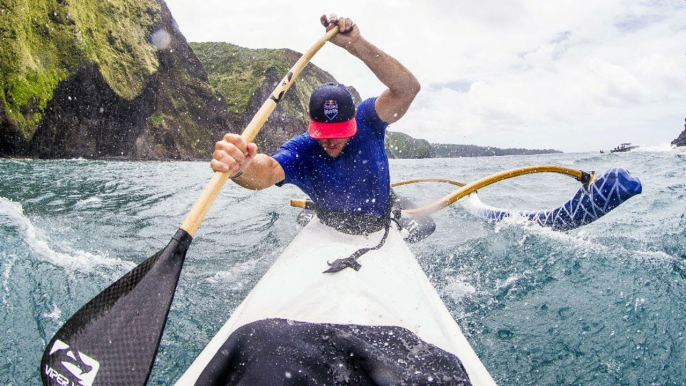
262	173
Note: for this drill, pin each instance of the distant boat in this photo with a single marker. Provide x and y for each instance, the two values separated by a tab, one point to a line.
623	147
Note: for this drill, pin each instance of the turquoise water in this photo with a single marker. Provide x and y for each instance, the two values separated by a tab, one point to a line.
600	305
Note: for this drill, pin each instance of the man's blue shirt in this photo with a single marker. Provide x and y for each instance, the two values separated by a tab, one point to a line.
356	181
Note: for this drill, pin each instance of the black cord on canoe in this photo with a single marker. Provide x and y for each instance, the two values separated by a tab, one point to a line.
351	261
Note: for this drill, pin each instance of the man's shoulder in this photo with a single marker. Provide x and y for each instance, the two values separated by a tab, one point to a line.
367	105
301	140
367	117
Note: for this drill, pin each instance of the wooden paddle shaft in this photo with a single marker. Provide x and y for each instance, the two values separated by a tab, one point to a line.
203	203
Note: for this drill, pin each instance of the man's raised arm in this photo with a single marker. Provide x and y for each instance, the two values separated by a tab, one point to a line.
393	103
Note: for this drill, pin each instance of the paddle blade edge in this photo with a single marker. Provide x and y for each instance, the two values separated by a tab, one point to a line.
114	338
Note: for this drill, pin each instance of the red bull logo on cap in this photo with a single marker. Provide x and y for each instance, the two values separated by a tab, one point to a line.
331	109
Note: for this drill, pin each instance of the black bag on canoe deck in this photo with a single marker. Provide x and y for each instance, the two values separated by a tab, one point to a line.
277	352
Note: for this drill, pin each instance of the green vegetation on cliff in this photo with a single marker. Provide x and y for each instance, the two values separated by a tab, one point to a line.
400	145
443	150
237	72
44	41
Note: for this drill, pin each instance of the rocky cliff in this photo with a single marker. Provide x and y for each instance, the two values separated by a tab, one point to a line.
246	78
681	140
117	79
103	79
400	145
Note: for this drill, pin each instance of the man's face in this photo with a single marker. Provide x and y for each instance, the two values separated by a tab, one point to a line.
333	147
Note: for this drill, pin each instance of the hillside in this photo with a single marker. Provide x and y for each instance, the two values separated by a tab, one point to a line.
400	145
117	79
246	77
442	150
102	79
681	139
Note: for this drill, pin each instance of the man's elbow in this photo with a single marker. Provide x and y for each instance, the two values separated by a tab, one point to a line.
415	86
411	89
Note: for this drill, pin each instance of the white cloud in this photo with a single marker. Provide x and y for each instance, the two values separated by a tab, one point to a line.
573	75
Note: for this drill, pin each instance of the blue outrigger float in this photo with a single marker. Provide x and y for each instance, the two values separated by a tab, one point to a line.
592	201
595	198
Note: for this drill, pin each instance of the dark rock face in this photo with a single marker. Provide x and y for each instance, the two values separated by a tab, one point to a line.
681	140
86	118
281	125
11	140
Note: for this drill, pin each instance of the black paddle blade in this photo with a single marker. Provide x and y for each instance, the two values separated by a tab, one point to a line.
113	339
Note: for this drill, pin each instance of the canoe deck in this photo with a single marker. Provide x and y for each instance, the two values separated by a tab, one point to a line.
390	289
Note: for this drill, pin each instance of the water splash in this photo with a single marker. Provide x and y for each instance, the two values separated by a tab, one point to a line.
40	244
161	39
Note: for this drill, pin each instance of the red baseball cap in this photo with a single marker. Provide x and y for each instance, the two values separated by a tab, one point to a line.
332	112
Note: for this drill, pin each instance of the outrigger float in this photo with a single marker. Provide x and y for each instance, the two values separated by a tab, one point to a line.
596	197
379	323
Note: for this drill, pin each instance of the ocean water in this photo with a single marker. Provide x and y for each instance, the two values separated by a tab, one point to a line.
600	305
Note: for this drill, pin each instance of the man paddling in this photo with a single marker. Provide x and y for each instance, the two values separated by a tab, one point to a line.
341	162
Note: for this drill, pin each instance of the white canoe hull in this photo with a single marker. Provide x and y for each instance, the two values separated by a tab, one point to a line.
390	289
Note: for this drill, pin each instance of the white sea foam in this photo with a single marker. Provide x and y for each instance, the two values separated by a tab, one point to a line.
40	244
576	241
6	277
459	288
657	148
509	282
55	314
91	202
238	276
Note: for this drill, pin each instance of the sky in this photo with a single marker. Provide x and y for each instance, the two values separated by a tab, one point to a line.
577	75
